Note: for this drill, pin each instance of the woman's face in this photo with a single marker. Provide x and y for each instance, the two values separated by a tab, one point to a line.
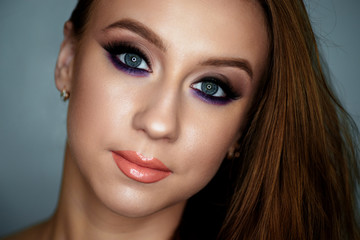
168	79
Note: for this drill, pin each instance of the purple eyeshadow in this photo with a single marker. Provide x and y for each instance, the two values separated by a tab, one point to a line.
126	69
210	99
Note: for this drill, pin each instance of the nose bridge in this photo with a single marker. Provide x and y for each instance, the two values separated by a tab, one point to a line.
158	118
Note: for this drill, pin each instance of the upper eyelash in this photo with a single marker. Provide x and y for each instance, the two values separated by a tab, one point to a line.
116	48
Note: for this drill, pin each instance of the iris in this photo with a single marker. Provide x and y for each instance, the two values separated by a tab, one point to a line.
209	88
132	60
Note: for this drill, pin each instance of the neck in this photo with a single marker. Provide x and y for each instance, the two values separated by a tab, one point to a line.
81	215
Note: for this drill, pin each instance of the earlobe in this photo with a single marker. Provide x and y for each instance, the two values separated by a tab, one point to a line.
64	65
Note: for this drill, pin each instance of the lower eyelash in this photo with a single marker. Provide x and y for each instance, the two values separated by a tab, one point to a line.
210	99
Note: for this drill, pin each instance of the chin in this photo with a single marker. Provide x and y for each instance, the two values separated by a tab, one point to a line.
127	201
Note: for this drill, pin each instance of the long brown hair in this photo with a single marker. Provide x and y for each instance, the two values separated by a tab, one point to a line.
298	164
296	172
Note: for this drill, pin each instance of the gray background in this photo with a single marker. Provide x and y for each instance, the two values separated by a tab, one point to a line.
32	117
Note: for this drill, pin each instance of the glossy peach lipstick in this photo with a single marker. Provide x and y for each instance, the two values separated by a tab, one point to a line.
140	168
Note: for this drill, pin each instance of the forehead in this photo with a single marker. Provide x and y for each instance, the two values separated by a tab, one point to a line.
205	26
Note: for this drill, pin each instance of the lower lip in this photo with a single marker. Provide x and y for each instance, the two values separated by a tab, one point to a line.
139	173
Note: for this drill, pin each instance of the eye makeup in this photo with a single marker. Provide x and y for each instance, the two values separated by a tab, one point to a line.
128	58
221	95
116	51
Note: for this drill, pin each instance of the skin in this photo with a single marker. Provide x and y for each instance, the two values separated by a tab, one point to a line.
157	115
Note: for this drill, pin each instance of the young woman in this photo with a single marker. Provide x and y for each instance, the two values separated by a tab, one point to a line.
200	120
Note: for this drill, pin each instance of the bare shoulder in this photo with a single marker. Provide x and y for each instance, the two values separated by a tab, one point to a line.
34	232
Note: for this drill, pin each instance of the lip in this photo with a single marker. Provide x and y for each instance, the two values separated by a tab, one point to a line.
140	168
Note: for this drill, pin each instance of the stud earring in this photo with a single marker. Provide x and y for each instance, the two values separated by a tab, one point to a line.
233	152
64	95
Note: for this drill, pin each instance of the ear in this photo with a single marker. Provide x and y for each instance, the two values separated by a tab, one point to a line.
64	65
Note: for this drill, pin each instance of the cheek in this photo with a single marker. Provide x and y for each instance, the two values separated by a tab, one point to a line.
87	109
96	113
207	145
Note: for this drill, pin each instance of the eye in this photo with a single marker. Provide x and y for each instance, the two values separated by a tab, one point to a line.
128	58
214	91
209	88
133	60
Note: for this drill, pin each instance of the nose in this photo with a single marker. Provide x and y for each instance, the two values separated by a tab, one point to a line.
158	118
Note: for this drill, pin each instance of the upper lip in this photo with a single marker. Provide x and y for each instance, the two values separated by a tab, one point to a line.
139	159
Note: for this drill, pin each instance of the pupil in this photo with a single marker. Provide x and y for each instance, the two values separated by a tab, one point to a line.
209	88
132	60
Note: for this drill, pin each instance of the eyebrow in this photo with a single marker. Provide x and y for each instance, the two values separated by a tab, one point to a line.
139	29
243	64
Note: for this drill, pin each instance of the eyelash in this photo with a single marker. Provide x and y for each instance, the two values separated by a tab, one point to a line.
230	93
116	49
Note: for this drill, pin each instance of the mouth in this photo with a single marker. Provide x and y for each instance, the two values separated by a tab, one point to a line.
140	168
